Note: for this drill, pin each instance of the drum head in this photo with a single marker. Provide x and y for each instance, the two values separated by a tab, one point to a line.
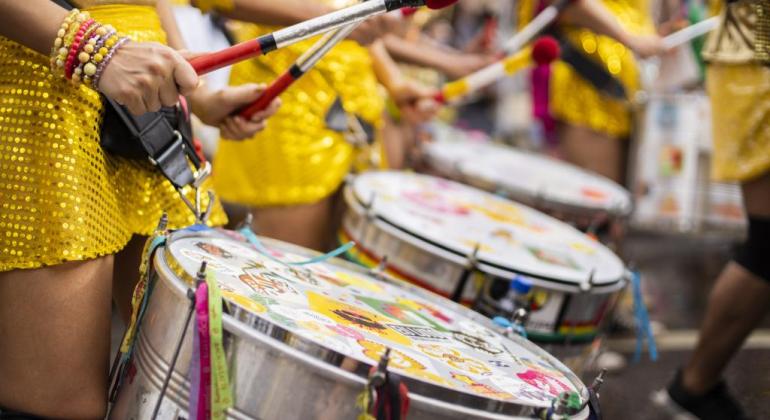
527	176
333	311
509	236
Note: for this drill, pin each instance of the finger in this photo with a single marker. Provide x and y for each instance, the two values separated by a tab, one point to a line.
151	99
168	93
135	106
184	75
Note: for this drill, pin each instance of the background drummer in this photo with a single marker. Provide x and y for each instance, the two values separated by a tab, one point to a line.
70	210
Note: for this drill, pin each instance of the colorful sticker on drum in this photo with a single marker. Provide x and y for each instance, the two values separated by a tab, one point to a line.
358	316
552	257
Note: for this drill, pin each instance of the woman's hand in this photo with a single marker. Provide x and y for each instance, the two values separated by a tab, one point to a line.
465	64
646	45
219	109
416	102
144	76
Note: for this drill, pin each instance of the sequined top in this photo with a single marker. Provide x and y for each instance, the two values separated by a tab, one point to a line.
743	35
62	197
298	159
83	4
576	101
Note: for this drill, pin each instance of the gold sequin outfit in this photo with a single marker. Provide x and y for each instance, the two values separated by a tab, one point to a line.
738	82
297	159
574	100
63	198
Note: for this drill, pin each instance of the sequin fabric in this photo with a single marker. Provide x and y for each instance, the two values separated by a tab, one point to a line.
573	99
297	159
743	35
740	108
62	198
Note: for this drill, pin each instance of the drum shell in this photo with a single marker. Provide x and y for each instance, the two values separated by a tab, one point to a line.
270	379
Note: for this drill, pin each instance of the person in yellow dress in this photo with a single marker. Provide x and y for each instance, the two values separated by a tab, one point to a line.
289	174
738	83
71	213
591	123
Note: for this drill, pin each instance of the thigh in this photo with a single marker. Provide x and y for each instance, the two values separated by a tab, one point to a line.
55	339
126	275
309	225
593	151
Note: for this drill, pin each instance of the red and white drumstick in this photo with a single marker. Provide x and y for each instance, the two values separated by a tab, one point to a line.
304	63
543	51
281	38
533	28
689	33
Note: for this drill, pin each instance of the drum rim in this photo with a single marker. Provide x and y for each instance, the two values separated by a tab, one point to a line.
356	204
307	351
622	210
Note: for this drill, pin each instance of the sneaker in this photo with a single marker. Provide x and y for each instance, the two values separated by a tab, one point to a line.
716	404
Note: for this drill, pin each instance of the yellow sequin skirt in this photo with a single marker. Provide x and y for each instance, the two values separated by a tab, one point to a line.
63	198
576	101
297	159
740	107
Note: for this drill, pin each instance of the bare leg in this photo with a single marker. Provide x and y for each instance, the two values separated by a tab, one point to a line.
312	225
126	275
737	304
55	339
593	151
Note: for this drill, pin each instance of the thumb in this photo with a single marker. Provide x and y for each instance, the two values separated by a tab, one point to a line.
243	94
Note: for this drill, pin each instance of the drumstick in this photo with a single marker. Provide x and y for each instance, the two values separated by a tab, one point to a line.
544	51
543	19
689	33
304	63
284	37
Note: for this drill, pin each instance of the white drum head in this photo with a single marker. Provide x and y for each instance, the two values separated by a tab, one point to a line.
527	176
508	235
335	308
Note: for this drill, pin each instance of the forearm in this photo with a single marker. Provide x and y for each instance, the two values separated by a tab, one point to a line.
275	12
385	68
591	14
174	37
17	17
419	52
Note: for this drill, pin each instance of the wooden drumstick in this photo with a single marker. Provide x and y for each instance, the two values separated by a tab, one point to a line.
287	36
543	51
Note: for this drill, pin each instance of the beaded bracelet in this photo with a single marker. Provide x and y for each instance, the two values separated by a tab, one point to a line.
83	47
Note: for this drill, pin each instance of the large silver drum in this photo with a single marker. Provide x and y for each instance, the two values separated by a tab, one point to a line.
554	187
300	341
468	244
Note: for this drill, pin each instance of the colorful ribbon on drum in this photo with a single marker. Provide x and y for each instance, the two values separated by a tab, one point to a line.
252	238
210	393
643	329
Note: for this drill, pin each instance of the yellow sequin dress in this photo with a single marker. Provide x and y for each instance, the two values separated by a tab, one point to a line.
574	100
61	197
738	82
297	159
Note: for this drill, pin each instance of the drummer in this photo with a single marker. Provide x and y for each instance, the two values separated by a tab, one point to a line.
590	123
738	81
73	214
290	174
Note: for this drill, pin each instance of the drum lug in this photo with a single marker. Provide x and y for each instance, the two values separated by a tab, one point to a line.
246	223
379	271
588	285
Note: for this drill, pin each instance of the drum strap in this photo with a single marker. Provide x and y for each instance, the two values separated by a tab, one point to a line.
392	399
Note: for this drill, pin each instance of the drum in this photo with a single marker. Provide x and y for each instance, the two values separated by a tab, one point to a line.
468	244
555	187
671	171
300	341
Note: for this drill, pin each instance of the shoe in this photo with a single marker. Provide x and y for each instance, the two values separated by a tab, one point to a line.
716	404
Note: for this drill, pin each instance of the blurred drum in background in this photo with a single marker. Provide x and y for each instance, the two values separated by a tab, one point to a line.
301	335
670	171
560	189
483	250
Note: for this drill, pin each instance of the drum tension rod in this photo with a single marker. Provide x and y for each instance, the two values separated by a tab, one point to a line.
379	271
589	284
593	395
200	277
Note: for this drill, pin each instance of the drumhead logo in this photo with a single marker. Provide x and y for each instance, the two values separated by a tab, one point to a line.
475	342
266	283
214	250
552	258
543	381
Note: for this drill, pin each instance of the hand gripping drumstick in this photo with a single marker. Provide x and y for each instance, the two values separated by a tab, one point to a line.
533	28
295	33
544	51
304	63
689	33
